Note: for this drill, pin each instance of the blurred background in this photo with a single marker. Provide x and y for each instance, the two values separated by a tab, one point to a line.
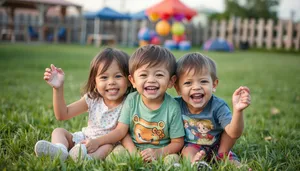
223	24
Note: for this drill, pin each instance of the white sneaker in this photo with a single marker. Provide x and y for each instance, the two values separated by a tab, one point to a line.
79	152
43	147
201	165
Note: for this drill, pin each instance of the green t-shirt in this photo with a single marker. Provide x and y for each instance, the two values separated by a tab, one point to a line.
152	128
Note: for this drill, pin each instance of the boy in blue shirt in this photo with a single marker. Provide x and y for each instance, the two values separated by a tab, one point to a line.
206	117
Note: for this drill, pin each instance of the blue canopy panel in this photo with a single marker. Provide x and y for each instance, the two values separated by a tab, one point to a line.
106	14
218	45
139	15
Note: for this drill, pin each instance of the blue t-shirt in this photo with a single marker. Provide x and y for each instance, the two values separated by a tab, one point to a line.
206	127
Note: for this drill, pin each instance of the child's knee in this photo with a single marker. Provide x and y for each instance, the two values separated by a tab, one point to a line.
171	159
58	131
118	149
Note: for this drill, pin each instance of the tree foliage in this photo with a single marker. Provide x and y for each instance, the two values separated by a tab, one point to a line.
248	9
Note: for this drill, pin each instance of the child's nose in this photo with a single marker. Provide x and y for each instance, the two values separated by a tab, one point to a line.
111	81
151	78
197	86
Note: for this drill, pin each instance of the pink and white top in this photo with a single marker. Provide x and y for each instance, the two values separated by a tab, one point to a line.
101	119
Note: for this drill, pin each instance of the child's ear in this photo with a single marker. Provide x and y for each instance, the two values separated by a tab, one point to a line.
130	78
177	89
215	84
172	81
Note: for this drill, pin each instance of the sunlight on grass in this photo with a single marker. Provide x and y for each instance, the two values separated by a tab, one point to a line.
270	140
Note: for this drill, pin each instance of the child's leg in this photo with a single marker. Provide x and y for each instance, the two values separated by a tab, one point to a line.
102	151
61	140
79	152
118	150
171	159
62	136
193	152
226	143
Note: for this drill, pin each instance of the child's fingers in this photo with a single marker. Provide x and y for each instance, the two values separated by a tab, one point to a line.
238	91
47	74
48	70
245	88
53	68
46	78
59	70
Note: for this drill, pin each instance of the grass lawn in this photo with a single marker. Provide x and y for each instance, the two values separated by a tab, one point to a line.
272	128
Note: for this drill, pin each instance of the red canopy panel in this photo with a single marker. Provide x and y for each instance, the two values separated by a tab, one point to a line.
171	8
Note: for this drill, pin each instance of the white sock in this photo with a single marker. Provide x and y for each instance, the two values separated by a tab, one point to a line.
61	146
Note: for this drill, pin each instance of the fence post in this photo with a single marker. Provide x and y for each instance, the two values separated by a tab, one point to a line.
238	32
269	38
222	29
230	30
252	27
245	30
279	31
289	34
260	33
297	38
214	29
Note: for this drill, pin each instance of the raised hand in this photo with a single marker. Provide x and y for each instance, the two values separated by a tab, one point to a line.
241	98
54	76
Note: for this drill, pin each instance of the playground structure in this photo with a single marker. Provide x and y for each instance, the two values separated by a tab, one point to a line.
164	13
43	29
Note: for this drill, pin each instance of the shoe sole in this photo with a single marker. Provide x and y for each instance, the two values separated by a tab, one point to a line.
43	147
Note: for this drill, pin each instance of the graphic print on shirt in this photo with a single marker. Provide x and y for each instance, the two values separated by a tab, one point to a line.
148	132
197	131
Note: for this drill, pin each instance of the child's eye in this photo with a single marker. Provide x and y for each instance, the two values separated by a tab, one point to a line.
204	81
119	76
159	75
187	83
143	75
103	77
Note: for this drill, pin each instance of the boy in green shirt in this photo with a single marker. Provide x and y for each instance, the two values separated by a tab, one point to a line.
152	117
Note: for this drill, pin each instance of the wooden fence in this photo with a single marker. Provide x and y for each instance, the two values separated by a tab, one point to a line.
268	34
280	34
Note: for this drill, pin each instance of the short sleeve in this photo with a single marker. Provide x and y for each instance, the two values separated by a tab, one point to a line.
125	112
176	125
88	101
224	115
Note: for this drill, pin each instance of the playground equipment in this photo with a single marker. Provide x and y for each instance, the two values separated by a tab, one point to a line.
174	12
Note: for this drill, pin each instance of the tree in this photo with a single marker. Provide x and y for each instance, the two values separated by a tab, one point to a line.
248	9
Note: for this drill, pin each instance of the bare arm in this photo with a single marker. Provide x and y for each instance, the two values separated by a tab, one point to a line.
128	144
240	100
63	112
111	138
55	78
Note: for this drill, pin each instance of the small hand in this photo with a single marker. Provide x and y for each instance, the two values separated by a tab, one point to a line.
54	76
150	154
241	98
91	145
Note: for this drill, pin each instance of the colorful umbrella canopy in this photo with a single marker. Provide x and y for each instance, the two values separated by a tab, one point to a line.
171	8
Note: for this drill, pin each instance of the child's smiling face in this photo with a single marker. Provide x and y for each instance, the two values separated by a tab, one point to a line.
151	82
196	89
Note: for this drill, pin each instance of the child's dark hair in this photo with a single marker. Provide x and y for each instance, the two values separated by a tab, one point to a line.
105	57
198	63
152	55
